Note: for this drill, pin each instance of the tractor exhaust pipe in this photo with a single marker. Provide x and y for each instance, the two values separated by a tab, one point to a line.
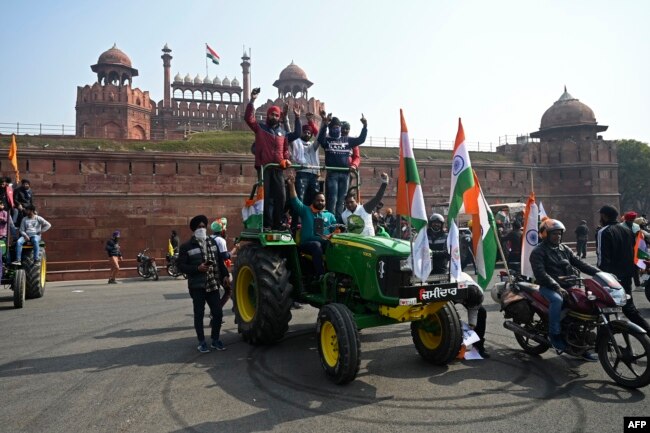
518	329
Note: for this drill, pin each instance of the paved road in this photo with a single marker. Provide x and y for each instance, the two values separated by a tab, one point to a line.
90	357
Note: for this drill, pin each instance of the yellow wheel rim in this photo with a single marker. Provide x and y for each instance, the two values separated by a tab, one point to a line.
43	270
329	344
430	339
246	294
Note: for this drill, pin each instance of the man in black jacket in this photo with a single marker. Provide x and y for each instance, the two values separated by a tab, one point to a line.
615	251
582	234
438	244
549	262
207	277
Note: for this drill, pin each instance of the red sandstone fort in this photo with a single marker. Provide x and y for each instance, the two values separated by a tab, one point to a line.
88	194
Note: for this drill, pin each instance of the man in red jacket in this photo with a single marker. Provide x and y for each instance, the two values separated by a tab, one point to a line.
271	146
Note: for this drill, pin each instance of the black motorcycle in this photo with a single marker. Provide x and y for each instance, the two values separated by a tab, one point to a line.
147	265
172	267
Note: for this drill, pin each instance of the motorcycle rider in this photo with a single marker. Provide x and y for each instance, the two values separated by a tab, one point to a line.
546	261
438	244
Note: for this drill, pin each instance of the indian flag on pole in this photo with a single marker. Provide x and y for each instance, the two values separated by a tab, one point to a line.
212	54
410	204
484	239
462	179
253	210
640	251
530	236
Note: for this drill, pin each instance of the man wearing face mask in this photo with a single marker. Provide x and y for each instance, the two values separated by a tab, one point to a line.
337	154
207	279
317	225
271	146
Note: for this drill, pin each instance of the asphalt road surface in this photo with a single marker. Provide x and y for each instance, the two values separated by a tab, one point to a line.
92	357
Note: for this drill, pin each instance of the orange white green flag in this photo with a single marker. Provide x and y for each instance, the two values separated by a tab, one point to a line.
530	236
212	55
410	204
484	240
640	251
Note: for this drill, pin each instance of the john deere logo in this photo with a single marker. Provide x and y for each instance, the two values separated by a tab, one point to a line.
459	164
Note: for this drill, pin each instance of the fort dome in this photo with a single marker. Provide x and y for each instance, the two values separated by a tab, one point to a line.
114	56
293	72
567	111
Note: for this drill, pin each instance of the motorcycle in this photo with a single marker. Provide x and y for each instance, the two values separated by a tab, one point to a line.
147	265
172	267
591	321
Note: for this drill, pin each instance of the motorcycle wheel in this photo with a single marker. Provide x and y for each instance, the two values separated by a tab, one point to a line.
630	369
171	270
141	270
154	272
529	345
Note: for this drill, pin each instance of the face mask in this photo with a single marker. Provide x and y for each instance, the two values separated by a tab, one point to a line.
201	234
335	132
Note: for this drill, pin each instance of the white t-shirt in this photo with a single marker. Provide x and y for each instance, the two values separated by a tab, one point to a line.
361	217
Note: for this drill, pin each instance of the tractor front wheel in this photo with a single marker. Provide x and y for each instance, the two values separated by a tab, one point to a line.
438	336
338	343
18	286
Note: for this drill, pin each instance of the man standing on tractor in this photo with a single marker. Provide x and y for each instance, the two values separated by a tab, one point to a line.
271	146
337	154
361	216
317	225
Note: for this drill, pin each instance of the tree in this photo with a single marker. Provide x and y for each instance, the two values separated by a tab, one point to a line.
633	182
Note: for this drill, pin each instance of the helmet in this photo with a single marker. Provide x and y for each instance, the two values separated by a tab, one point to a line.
436	217
550	225
474	297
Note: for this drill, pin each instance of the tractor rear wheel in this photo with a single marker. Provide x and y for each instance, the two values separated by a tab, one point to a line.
338	343
36	272
438	336
262	295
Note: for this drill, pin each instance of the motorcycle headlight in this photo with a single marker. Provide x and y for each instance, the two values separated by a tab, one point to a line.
618	295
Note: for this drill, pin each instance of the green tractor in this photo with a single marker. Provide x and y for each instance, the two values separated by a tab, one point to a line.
368	283
27	280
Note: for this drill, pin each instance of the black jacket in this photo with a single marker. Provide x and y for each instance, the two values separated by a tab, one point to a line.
113	248
546	263
616	250
439	253
582	232
23	196
190	256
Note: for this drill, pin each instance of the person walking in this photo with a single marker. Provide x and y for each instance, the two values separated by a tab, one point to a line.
582	234
207	278
114	256
615	250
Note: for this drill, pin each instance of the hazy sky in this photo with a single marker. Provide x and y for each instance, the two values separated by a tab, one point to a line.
497	64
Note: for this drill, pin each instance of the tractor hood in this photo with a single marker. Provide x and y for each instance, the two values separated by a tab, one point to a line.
377	244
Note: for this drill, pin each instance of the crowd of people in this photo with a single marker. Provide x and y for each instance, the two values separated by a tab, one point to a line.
19	220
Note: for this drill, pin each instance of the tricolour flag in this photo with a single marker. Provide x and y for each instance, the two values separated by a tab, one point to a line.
253	211
462	178
640	251
484	231
212	54
530	236
410	204
13	156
